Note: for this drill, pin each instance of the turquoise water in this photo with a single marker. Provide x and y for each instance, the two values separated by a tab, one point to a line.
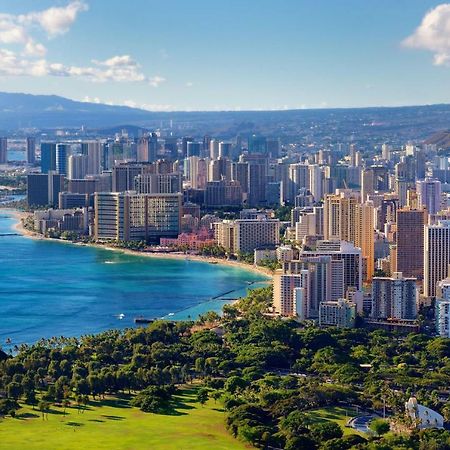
53	289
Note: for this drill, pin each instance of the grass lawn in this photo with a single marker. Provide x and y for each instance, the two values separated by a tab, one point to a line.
112	424
337	414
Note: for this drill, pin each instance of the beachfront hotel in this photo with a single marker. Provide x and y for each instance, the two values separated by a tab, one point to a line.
246	235
129	216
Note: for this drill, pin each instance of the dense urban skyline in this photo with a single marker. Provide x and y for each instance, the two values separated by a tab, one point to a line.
261	263
209	55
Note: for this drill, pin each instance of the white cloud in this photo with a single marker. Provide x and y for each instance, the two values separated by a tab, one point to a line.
55	20
34	49
119	69
433	34
87	99
17	30
11	33
189	84
131	104
156	81
156	107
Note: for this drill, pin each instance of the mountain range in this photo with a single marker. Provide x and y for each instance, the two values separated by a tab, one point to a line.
369	125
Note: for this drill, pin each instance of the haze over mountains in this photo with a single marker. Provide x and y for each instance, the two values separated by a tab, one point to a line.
20	111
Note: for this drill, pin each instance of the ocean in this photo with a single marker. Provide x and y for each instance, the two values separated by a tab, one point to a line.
54	289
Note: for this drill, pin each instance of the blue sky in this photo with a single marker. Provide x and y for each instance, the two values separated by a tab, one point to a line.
230	54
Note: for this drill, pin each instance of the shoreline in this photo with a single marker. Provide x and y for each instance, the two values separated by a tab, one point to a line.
18	227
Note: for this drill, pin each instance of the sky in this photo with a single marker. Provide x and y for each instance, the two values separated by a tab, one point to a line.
167	55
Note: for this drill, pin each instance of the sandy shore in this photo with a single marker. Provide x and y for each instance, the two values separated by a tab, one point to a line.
18	227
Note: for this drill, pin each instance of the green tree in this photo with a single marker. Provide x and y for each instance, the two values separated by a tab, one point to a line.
202	396
14	390
325	431
379	426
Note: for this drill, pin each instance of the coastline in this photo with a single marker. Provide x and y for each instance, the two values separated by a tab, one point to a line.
19	228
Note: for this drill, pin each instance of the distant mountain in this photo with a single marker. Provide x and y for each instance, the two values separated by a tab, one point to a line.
364	126
52	111
441	139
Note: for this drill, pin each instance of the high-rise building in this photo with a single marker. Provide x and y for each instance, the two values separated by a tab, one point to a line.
223	193
44	189
214	149
394	297
184	145
316	181
156	183
257	184
171	147
340	215
153	146
31	150
48	156
298	179
124	174
193	149
67	200
130	216
273	193
405	176
246	235
62	154
197	172
309	223
3	150
410	242
290	292
429	195
273	147
436	255
386	150
142	149
257	144
240	174
443	318
147	148
206	145
365	237
442	312
219	169
345	251
345	218
94	157
225	150
322	278
374	179
77	167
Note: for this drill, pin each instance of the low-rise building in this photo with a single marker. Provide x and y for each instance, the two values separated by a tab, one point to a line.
191	241
264	254
340	313
285	253
423	417
60	220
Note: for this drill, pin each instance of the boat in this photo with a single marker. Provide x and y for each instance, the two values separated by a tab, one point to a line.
213	262
142	319
120	316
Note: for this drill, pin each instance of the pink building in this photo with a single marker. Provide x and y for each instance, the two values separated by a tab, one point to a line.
193	241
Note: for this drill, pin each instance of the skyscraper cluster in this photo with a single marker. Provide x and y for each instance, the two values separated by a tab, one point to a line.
357	231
